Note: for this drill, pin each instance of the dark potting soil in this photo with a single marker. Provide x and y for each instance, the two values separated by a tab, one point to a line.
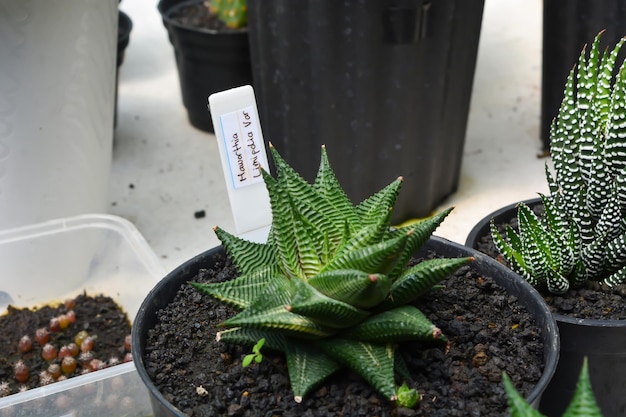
488	330
98	315
197	15
591	301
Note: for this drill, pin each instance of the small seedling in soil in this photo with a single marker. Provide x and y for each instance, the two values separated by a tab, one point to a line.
407	397
256	354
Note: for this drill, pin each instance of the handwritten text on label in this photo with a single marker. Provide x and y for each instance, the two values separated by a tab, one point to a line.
244	147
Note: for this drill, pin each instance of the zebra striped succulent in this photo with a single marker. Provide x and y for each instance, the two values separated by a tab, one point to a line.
331	288
582	233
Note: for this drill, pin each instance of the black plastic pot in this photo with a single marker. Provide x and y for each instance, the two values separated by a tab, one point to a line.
124	27
208	61
567	26
501	215
166	289
384	84
602	341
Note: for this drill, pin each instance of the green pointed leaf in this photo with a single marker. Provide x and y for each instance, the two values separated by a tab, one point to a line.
329	189
309	302
369	210
541	250
377	258
608	225
291	233
352	286
367	235
616	253
246	255
583	403
241	291
320	211
616	278
397	325
419	279
511	251
269	312
307	368
420	232
518	407
373	362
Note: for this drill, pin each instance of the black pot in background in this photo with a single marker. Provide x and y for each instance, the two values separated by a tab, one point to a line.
603	342
165	291
385	84
567	26
208	61
124	27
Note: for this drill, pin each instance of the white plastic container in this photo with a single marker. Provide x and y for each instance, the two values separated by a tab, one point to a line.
57	100
99	254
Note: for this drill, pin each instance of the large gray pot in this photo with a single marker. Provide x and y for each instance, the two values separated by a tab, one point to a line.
385	84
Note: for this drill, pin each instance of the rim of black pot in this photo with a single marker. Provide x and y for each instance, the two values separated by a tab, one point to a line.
505	214
500	215
550	332
125	26
146	314
166	7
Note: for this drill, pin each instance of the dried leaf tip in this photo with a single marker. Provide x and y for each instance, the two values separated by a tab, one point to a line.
437	333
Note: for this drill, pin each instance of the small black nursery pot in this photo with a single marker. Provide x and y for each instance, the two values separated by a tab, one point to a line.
601	341
208	61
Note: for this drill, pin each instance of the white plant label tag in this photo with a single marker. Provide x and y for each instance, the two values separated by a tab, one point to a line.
242	152
244	146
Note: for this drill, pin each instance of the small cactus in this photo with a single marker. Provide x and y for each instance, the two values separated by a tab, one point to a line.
234	13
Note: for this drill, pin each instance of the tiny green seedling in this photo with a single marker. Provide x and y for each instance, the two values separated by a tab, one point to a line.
256	354
407	397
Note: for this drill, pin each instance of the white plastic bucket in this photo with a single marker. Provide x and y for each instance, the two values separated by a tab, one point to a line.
57	98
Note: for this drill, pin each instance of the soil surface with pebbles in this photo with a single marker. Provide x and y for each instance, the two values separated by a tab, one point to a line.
488	330
100	317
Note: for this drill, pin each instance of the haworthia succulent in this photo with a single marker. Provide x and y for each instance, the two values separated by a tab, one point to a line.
579	236
331	286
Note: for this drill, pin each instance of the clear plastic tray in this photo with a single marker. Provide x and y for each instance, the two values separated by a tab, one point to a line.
51	261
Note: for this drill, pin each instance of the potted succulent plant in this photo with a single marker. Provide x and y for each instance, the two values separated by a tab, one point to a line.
574	250
336	287
210	40
583	402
